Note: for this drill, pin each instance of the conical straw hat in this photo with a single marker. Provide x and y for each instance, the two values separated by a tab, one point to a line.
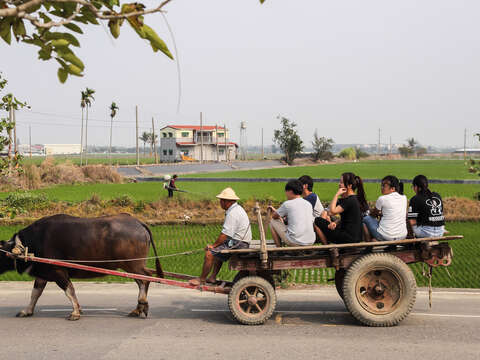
228	194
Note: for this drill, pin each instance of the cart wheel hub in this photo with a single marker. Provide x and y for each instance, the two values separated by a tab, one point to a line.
379	291
252	300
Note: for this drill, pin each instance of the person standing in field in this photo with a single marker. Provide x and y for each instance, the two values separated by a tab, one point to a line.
171	186
236	234
299	215
391	207
425	211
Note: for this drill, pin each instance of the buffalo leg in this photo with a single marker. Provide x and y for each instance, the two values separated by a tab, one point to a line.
37	291
67	286
142	306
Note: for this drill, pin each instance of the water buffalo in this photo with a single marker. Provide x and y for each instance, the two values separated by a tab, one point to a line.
72	238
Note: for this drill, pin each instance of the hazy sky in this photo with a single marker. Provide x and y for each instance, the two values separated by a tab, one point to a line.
344	67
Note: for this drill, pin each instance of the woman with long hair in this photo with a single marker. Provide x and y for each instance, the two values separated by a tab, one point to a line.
349	202
425	211
391	207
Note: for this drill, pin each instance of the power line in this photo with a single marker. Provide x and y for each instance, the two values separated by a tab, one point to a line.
73	117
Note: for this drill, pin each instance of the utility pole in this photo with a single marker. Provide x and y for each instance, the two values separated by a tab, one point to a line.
225	136
378	145
10	115
110	147
154	142
263	155
201	138
81	139
136	132
391	149
15	145
86	138
30	139
216	142
465	146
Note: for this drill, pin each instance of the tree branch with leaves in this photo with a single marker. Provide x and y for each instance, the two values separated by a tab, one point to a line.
45	16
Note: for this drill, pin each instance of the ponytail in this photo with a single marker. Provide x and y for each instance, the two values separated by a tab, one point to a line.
421	182
357	185
361	194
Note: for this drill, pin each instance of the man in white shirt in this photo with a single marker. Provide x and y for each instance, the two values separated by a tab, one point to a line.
299	215
236	234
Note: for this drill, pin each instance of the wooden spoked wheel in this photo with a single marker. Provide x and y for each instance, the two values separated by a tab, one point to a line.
252	300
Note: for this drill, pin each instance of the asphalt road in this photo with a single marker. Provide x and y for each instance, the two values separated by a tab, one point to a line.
186	324
191	168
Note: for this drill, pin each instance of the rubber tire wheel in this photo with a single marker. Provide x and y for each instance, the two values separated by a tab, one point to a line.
387	261
339	279
238	314
243	273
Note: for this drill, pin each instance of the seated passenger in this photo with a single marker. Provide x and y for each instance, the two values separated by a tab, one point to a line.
236	234
392	208
310	196
425	212
314	200
299	215
350	207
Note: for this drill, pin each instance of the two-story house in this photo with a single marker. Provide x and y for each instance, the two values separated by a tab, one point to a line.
176	140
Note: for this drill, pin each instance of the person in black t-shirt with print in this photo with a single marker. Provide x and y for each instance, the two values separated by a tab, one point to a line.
350	207
425	211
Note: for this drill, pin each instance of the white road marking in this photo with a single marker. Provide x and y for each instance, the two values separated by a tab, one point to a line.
329	312
69	310
448	315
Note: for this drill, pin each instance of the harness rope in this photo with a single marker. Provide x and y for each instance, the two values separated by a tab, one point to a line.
112	261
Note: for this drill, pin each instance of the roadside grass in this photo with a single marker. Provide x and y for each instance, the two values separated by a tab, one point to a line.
150	191
373	169
178	238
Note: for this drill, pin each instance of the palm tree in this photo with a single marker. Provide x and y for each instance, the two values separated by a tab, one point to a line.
145	138
113	109
82	105
88	102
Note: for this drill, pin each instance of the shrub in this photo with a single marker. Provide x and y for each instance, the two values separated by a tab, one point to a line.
22	202
65	173
360	154
348	154
123	201
99	173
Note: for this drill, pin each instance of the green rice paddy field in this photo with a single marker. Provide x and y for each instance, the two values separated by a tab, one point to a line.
172	239
407	169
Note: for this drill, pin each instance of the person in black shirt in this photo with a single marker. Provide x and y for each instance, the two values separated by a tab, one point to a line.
425	211
350	206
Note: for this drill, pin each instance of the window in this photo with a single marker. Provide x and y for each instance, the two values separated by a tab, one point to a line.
164	152
185	152
221	151
220	135
185	134
170	152
170	134
164	134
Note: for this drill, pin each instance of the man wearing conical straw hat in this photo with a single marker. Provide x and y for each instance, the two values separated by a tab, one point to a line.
236	234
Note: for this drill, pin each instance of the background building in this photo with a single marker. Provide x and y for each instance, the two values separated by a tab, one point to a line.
50	149
186	140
